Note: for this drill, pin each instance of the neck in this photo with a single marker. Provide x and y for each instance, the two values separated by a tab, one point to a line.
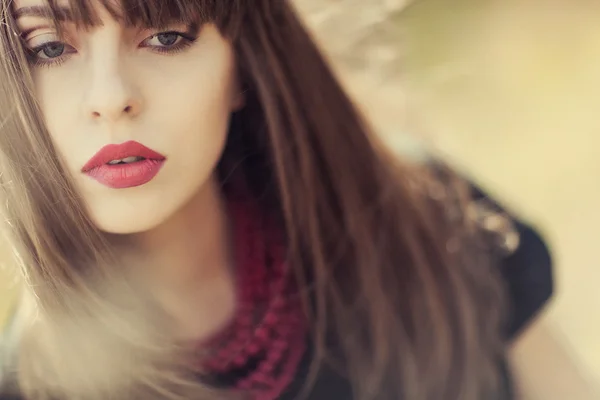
187	263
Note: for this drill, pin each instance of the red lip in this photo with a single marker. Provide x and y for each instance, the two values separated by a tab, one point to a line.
120	176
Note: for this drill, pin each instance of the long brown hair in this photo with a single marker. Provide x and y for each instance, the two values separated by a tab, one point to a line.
398	298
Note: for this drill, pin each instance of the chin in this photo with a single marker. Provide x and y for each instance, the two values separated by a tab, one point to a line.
129	221
127	227
145	208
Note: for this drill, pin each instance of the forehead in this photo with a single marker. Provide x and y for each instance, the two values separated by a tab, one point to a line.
18	6
28	3
227	15
152	13
81	11
64	3
32	3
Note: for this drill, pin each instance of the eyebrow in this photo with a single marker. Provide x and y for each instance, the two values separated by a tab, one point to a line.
59	13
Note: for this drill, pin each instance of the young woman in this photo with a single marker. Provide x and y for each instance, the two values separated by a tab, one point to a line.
199	212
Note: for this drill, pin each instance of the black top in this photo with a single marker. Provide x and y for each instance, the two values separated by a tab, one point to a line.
527	271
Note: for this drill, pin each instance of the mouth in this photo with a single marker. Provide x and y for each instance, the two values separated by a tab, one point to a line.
125	165
127	160
118	154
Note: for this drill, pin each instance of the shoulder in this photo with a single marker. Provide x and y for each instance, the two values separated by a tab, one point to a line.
518	249
525	262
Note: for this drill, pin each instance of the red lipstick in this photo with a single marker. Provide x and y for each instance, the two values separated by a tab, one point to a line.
124	165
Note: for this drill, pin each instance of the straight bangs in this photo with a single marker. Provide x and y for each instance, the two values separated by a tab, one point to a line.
225	14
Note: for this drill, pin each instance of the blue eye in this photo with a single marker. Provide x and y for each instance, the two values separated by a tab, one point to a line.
50	50
50	53
168	38
167	41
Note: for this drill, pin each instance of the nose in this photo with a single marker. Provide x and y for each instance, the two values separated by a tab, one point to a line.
112	94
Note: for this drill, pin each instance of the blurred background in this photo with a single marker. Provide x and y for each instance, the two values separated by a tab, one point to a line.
507	91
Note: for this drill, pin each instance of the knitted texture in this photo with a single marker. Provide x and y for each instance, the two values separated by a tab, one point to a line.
260	350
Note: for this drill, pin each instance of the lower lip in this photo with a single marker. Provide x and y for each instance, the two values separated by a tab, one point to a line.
122	176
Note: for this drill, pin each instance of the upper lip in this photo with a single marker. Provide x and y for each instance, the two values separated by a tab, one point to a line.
113	152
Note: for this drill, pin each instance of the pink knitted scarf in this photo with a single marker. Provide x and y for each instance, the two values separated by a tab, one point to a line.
261	348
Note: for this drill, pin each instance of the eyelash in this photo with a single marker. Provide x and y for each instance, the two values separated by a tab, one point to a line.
185	41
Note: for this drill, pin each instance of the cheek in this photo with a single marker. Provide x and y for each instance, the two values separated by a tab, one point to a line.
195	113
59	103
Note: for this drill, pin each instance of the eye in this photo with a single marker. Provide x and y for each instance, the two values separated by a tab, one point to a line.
164	39
169	42
50	53
52	50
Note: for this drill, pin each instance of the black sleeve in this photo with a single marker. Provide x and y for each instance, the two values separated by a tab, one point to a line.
527	271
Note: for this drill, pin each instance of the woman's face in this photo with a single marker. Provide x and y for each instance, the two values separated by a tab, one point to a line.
163	97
